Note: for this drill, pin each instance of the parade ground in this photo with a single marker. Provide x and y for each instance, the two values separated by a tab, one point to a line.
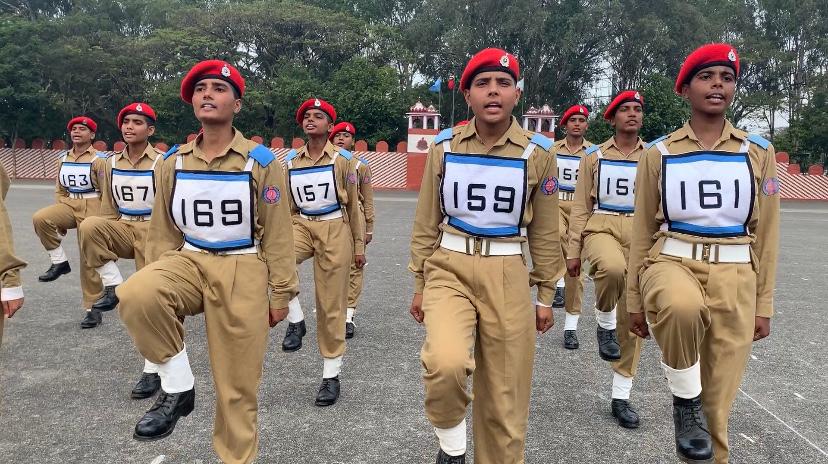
64	392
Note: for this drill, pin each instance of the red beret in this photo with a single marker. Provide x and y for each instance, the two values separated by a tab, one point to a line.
343	127
572	111
318	104
462	123
623	97
86	121
211	69
717	54
136	108
490	59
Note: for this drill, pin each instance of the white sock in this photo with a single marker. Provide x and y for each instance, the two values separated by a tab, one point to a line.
605	320
110	274
150	367
561	283
571	321
331	367
349	316
453	439
176	375
684	383
295	313
57	255
621	386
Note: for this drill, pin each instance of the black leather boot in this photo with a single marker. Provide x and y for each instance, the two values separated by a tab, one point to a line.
350	329
443	458
608	347
293	336
55	271
108	301
160	420
147	385
626	415
560	298
693	442
571	340
328	392
93	319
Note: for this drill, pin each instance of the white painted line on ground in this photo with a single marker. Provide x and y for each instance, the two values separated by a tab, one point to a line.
33	186
799	396
785	424
747	438
396	199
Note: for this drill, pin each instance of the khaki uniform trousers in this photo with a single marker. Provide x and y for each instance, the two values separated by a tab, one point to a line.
355	280
479	320
607	248
703	312
52	222
232	292
103	240
573	298
331	246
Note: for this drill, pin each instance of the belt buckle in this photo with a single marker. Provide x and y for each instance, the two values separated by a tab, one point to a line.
705	254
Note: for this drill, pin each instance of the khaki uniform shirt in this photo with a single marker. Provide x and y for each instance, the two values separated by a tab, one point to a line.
586	194
366	194
346	187
763	226
273	228
109	208
10	265
540	216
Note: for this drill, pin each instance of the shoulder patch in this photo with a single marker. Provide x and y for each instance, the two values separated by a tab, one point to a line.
291	154
443	135
650	144
262	155
759	140
363	161
591	149
102	154
171	151
345	153
542	141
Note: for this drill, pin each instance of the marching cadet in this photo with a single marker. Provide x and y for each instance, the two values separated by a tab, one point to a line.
127	195
599	230
11	291
342	136
77	197
219	242
326	227
569	152
704	251
484	191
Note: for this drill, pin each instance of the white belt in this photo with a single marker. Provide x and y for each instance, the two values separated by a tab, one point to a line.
481	246
84	196
566	196
611	213
325	217
126	217
709	253
242	251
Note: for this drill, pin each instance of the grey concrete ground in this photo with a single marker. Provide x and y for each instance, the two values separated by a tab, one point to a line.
65	392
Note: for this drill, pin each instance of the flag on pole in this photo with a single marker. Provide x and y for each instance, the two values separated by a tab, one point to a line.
436	86
520	85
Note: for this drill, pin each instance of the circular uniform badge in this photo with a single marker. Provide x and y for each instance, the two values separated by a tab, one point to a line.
139	108
225	71
771	186
504	61
271	194
549	186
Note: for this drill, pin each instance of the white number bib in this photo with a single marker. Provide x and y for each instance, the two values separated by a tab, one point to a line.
214	209
133	190
707	194
568	172
616	185
76	177
314	189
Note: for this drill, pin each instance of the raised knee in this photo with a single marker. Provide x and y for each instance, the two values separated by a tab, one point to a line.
447	364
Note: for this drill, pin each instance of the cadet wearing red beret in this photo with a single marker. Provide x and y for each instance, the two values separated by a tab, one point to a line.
573	110
136	108
717	54
319	104
211	69
84	120
490	59
343	127
623	97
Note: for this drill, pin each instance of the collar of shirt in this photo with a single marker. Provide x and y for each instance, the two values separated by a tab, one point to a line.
612	144
237	145
149	153
728	132
91	150
514	134
561	144
328	153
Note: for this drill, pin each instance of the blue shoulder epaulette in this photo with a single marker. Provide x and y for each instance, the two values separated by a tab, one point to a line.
290	155
542	141
345	153
101	154
759	140
262	155
443	135
364	161
591	149
650	144
171	151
